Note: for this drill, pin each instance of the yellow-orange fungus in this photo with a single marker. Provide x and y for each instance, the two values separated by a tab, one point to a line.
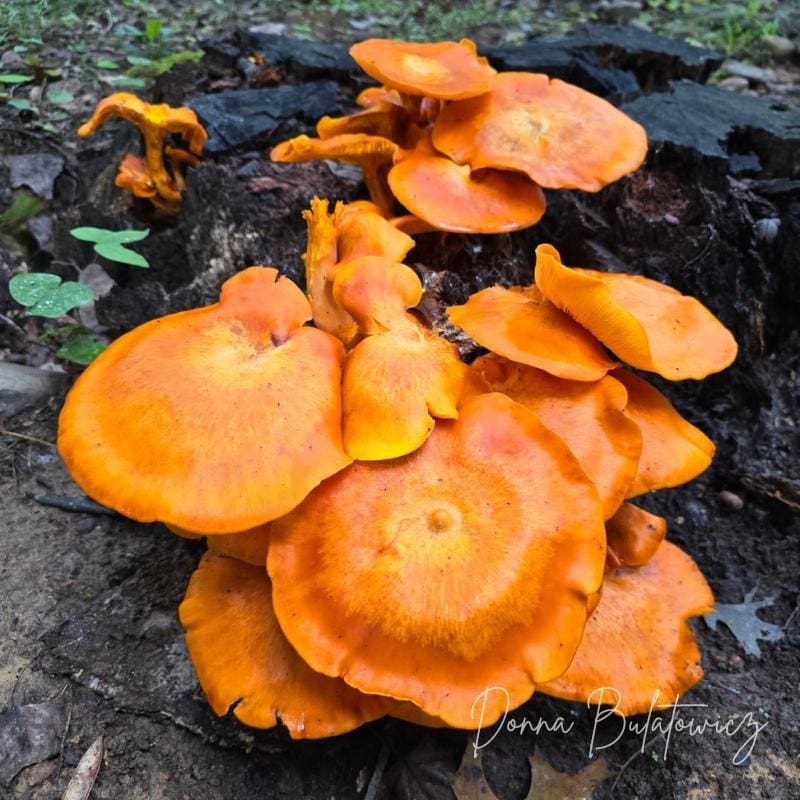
465	564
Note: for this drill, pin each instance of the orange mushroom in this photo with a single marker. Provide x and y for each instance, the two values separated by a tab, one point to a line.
649	325
558	134
156	123
362	230
215	420
522	325
465	564
673	450
637	643
455	198
442	70
245	665
633	535
589	417
249	546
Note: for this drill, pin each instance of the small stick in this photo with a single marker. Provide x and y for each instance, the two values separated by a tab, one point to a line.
27	438
377	774
75	505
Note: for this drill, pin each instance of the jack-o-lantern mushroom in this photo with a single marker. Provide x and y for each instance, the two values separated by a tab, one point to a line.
244	663
588	416
557	134
647	324
455	198
632	536
156	123
442	70
215	420
400	376
637	643
465	564
523	326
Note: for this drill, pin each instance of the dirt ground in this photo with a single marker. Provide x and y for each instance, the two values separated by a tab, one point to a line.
88	601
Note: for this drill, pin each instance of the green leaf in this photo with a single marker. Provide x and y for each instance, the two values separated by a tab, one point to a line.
30	287
21	103
11	77
92	234
128	237
116	252
152	29
59	96
107	63
81	347
63	299
23	206
138	61
124	82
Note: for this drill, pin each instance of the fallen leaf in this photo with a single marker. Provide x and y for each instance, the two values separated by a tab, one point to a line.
28	735
82	780
742	621
550	784
469	783
37	171
265	184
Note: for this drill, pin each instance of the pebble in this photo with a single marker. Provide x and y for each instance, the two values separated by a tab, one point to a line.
741	70
767	229
731	500
780	47
734	84
618	11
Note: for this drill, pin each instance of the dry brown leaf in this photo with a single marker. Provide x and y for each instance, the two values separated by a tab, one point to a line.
469	782
82	780
550	784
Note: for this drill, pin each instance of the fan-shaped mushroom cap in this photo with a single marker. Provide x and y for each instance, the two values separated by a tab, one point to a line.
244	663
589	417
633	535
673	450
637	640
134	176
394	384
557	134
444	70
215	420
457	199
649	325
465	564
376	292
363	231
522	325
249	546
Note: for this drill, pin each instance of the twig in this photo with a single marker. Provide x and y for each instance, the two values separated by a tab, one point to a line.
26	437
75	505
377	774
792	616
630	761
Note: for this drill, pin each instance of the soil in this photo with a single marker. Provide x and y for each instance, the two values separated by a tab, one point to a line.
87	608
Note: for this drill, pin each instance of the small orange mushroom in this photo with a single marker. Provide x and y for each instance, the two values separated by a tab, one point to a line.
651	326
244	663
522	325
558	134
457	199
588	416
465	564
633	535
215	420
442	70
673	450
249	546
156	123
637	643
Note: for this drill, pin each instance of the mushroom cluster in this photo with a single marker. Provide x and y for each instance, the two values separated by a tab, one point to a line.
391	530
159	176
467	149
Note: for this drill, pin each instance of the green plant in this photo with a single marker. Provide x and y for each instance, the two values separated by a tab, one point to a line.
45	295
111	244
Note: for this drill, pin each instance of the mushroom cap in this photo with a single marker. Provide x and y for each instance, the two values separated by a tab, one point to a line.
637	640
673	450
457	199
154	121
363	231
352	147
376	292
394	384
215	420
320	258
633	535
134	175
561	136
444	70
522	325
249	546
465	564
244	663
588	416
651	326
